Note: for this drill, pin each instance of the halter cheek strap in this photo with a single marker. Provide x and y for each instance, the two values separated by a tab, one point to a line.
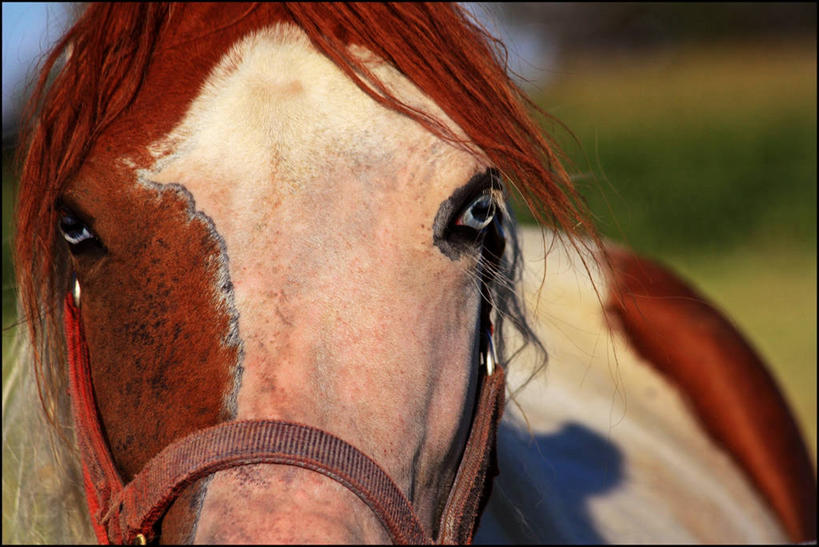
128	513
100	477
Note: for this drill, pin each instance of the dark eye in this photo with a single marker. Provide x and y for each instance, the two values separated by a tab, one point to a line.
466	218
479	213
76	232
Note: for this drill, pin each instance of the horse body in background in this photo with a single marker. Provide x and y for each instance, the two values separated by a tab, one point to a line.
292	214
620	450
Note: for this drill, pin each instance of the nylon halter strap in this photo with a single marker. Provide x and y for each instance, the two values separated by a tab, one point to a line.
128	513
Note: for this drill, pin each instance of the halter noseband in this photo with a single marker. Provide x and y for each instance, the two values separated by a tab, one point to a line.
128	513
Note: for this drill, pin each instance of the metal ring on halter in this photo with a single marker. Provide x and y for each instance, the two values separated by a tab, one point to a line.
489	355
76	291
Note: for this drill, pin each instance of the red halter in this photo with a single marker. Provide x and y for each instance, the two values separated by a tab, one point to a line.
128	513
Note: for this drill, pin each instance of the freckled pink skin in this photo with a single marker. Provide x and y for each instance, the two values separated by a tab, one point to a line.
357	341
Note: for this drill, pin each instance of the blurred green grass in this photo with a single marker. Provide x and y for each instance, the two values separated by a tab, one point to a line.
704	157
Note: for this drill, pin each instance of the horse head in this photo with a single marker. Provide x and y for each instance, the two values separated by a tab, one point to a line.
265	215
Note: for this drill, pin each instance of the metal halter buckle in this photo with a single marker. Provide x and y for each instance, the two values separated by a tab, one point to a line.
76	291
488	355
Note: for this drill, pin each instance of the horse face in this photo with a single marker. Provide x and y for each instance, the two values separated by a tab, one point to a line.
289	250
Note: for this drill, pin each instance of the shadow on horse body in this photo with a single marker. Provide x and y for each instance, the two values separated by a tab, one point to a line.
578	464
266	250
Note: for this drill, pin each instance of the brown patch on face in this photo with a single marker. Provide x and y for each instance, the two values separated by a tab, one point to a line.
156	310
161	328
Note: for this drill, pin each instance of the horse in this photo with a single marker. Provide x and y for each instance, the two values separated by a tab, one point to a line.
271	280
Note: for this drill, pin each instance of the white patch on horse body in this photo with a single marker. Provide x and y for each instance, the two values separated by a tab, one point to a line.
618	456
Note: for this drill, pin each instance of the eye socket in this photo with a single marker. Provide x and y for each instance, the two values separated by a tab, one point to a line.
465	220
76	232
479	213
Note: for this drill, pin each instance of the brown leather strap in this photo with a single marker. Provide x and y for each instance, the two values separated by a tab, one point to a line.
101	478
473	483
145	499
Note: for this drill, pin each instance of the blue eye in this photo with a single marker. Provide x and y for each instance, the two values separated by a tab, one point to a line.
74	230
479	213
